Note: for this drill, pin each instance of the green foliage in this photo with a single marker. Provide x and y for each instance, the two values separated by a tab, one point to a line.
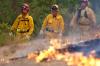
4	31
4	27
10	9
39	9
3	39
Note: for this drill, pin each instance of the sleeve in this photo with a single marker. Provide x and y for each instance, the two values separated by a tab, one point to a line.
31	25
73	22
44	23
15	24
91	15
62	24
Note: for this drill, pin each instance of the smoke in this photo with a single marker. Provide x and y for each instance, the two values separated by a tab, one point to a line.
96	7
76	36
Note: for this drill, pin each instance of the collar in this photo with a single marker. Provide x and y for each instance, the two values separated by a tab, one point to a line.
55	16
25	16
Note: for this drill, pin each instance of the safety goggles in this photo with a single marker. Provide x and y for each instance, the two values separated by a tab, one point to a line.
25	8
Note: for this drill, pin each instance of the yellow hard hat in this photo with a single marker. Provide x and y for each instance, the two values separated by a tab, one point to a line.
55	7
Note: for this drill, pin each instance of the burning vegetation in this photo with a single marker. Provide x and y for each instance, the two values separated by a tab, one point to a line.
55	52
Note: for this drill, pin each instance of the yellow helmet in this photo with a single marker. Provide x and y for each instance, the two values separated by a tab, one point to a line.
55	7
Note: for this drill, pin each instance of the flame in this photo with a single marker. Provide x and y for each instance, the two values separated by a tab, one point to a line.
97	34
71	59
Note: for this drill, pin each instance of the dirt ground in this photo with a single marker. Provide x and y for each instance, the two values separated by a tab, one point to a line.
25	62
20	50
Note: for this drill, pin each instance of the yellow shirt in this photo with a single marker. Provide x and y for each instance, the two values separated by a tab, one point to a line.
54	23
23	24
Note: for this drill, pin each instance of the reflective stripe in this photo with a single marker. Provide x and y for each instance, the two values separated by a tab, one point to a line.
24	31
25	20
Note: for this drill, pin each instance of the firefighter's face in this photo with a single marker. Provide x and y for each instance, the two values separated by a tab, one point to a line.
54	13
83	5
25	10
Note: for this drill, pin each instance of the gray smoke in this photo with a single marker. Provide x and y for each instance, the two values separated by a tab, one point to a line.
96	7
74	36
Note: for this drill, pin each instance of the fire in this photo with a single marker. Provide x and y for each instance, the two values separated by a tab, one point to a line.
97	34
71	59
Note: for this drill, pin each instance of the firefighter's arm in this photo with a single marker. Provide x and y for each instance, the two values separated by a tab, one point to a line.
73	22
62	24
15	24
91	15
31	26
44	23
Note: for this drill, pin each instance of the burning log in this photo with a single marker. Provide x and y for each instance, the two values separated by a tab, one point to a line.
71	59
31	56
50	53
74	58
85	47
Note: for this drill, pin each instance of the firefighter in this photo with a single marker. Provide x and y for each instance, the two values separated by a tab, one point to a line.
53	24
23	26
84	19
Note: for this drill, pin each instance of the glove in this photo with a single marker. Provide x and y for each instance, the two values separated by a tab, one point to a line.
10	34
27	37
41	32
60	34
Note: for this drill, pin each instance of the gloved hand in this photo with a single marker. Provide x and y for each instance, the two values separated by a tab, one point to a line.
41	32
27	37
60	34
10	33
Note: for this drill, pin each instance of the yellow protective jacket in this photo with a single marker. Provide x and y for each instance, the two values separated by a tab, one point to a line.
23	25
54	23
90	14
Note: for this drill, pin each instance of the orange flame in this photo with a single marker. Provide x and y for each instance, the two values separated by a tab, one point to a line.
71	59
